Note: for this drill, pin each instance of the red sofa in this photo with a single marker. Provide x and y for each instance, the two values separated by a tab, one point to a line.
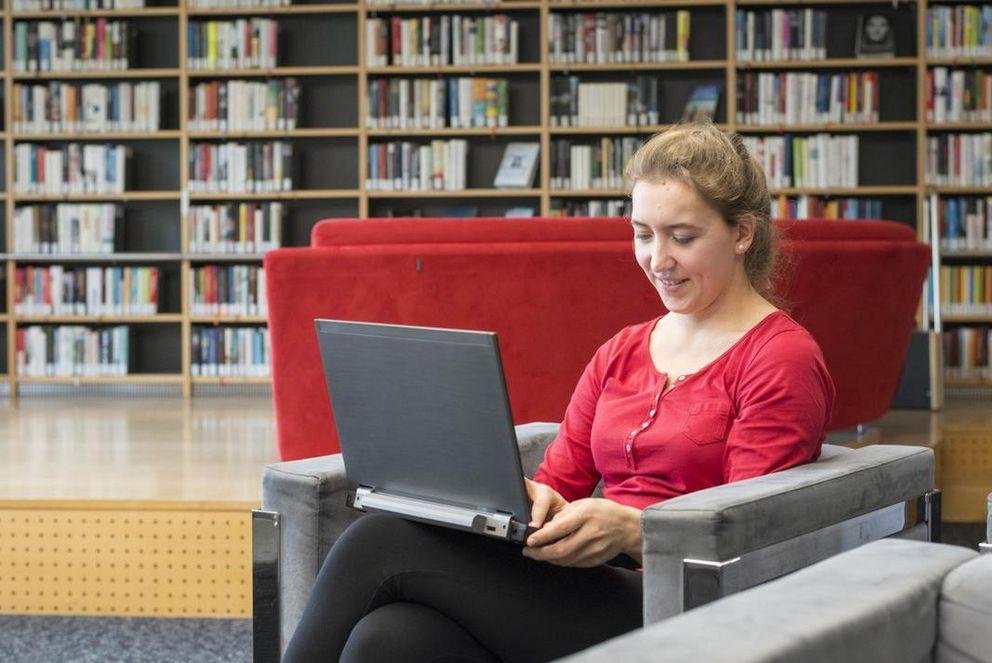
554	290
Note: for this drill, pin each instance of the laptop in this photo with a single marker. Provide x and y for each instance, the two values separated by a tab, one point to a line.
425	426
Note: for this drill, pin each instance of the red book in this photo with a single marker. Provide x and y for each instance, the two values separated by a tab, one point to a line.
396	32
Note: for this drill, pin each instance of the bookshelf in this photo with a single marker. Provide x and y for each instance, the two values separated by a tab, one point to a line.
324	47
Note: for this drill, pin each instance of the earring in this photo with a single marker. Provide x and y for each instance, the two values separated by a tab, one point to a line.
741	248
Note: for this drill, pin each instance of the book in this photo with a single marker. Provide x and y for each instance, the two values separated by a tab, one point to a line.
701	105
875	36
518	167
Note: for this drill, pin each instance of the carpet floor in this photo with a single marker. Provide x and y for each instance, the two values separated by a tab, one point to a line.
26	639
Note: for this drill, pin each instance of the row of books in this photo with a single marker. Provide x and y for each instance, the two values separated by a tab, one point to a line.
818	207
816	161
781	34
770	98
583	166
615	37
243	105
64	290
74	5
243	167
406	166
435	103
72	168
243	43
959	159
965	222
66	228
578	104
227	290
615	207
441	40
959	30
968	353
72	350
73	44
966	289
70	107
958	95
230	351
236	228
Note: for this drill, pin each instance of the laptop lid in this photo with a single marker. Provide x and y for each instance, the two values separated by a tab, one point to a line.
423	412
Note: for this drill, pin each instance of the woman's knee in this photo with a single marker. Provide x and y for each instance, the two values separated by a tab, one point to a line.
401	632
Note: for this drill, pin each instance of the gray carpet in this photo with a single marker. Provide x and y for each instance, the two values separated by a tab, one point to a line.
26	639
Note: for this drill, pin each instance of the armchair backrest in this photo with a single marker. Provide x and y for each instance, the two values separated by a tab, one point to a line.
554	290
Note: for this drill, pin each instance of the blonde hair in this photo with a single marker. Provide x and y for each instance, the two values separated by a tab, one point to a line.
718	166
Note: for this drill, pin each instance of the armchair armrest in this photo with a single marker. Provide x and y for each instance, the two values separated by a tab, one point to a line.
746	533
309	496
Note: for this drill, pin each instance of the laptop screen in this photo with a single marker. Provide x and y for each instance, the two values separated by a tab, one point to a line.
423	412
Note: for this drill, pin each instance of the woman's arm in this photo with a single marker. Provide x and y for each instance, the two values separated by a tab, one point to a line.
587	532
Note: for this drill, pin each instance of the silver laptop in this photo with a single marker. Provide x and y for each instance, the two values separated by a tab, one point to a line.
425	426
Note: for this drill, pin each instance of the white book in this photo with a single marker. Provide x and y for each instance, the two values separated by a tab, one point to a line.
518	166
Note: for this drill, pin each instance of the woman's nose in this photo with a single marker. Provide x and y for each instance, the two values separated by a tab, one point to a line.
661	258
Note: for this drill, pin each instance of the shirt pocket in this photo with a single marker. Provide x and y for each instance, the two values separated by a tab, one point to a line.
706	422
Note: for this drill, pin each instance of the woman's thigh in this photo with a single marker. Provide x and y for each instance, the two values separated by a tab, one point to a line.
517	608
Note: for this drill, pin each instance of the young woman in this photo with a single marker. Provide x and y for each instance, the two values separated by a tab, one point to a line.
723	387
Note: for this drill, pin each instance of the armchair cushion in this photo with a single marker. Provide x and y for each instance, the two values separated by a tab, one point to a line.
875	603
963	635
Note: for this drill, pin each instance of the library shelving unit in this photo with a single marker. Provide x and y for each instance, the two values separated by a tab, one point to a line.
325	48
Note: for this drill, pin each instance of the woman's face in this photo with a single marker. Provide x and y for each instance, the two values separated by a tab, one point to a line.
690	254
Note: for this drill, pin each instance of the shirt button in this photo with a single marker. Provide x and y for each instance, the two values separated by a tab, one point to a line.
681	377
651	413
645	424
628	448
633	432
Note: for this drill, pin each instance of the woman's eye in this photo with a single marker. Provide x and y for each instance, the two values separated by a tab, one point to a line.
642	237
683	240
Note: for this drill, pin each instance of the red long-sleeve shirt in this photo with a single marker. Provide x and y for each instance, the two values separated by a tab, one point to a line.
760	407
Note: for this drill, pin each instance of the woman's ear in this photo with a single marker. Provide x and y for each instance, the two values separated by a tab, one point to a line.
745	231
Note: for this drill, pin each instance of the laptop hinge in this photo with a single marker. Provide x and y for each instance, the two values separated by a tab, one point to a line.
490	523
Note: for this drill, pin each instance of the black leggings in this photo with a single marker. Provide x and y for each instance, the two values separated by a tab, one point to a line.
394	590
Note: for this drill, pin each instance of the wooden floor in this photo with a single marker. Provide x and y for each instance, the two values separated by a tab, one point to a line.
203	449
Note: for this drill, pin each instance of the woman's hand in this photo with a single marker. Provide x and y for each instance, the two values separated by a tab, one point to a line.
587	532
545	502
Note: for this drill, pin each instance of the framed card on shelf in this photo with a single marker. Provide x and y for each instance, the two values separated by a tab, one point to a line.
702	102
876	37
518	167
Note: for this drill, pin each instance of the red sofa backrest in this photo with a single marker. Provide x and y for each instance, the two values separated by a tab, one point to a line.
554	290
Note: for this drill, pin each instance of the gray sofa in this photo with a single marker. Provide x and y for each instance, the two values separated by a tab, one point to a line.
898	601
697	547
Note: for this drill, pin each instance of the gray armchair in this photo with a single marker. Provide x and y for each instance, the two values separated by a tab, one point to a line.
697	547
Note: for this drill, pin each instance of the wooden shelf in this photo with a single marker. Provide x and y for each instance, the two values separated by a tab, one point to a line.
134	378
164	134
450	7
956	189
588	193
272	72
846	127
328	132
231	379
301	194
966	253
228	319
803	3
463	193
92	257
161	318
829	63
638	66
102	73
958	126
474	131
198	12
95	197
645	129
620	4
895	190
978	318
967	382
223	257
138	12
441	69
934	61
